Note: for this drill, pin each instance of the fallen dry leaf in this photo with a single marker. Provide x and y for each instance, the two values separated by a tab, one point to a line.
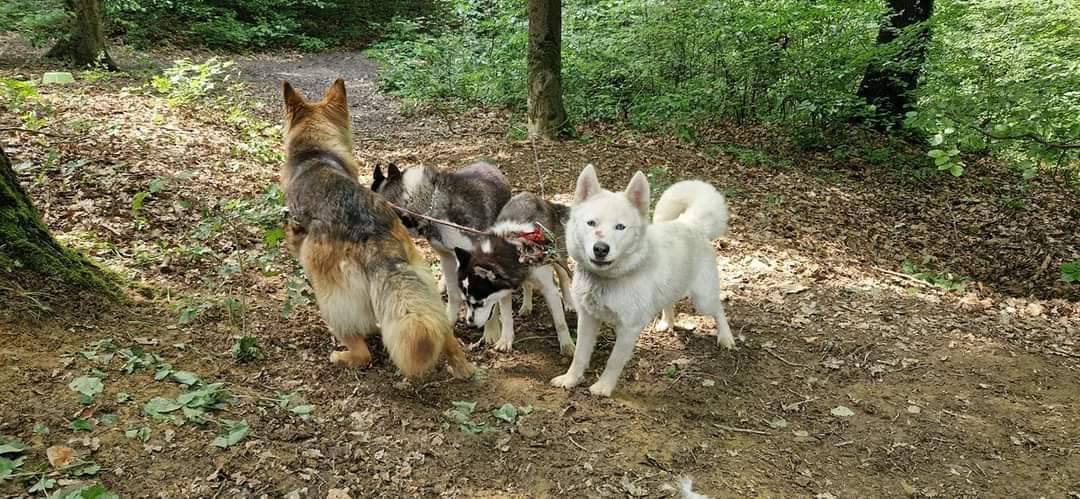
60	456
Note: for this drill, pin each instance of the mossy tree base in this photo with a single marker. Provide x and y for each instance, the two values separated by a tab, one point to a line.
85	45
29	253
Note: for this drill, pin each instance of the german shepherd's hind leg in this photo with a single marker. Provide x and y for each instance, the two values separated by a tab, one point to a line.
459	365
356	355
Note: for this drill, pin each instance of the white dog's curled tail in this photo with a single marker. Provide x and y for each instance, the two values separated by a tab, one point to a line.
696	204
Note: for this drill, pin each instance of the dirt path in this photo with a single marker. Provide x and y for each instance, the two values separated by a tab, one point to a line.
853	382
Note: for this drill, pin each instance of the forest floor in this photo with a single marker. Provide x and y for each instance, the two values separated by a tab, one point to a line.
858	377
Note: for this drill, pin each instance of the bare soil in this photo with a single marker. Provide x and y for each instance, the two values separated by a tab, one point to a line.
952	393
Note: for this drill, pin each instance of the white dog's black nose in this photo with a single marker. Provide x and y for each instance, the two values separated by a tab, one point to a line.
600	250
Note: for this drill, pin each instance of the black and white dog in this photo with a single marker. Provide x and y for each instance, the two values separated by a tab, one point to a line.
497	265
470	197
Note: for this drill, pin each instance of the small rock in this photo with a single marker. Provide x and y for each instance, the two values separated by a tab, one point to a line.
914	409
297	494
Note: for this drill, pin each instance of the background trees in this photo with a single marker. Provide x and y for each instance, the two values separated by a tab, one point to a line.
890	80
84	42
547	116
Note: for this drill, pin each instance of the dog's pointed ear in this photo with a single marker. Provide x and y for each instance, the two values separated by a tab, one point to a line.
637	191
294	102
335	95
392	172
463	257
378	178
587	184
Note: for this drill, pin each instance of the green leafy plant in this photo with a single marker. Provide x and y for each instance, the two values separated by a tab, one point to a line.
944	280
186	81
232	432
461	414
88	387
246	349
97	491
510	413
1070	272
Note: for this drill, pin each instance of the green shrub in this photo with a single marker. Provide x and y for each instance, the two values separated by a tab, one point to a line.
654	65
39	20
253	24
1001	76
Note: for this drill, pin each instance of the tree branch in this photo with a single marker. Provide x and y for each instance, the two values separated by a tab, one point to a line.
1032	137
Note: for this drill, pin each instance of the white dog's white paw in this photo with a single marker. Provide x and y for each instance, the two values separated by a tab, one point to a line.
525	309
568	305
567	349
602	389
567	381
504	345
724	338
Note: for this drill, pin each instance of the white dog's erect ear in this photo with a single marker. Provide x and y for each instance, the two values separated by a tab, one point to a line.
587	184
637	191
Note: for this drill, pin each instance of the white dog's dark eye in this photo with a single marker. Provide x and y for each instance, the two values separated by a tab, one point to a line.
620	227
591	223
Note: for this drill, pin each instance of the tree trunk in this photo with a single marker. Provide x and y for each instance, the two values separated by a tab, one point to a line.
887	84
547	117
28	251
85	44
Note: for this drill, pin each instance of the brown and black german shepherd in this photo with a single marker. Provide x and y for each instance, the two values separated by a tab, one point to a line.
363	266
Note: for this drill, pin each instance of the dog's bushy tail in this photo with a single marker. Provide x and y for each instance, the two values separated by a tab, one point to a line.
696	204
412	317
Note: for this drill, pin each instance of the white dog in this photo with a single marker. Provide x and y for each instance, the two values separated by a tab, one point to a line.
629	270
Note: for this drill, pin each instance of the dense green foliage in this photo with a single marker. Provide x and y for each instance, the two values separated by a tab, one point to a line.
224	24
1005	75
1001	75
651	63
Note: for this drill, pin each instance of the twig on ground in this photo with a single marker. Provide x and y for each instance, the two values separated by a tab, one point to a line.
795	405
781	359
577	444
905	277
741	430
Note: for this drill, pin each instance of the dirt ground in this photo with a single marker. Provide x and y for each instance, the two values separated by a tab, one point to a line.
855	379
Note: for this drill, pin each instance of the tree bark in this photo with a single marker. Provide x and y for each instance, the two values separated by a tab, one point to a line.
85	44
887	84
547	116
28	252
